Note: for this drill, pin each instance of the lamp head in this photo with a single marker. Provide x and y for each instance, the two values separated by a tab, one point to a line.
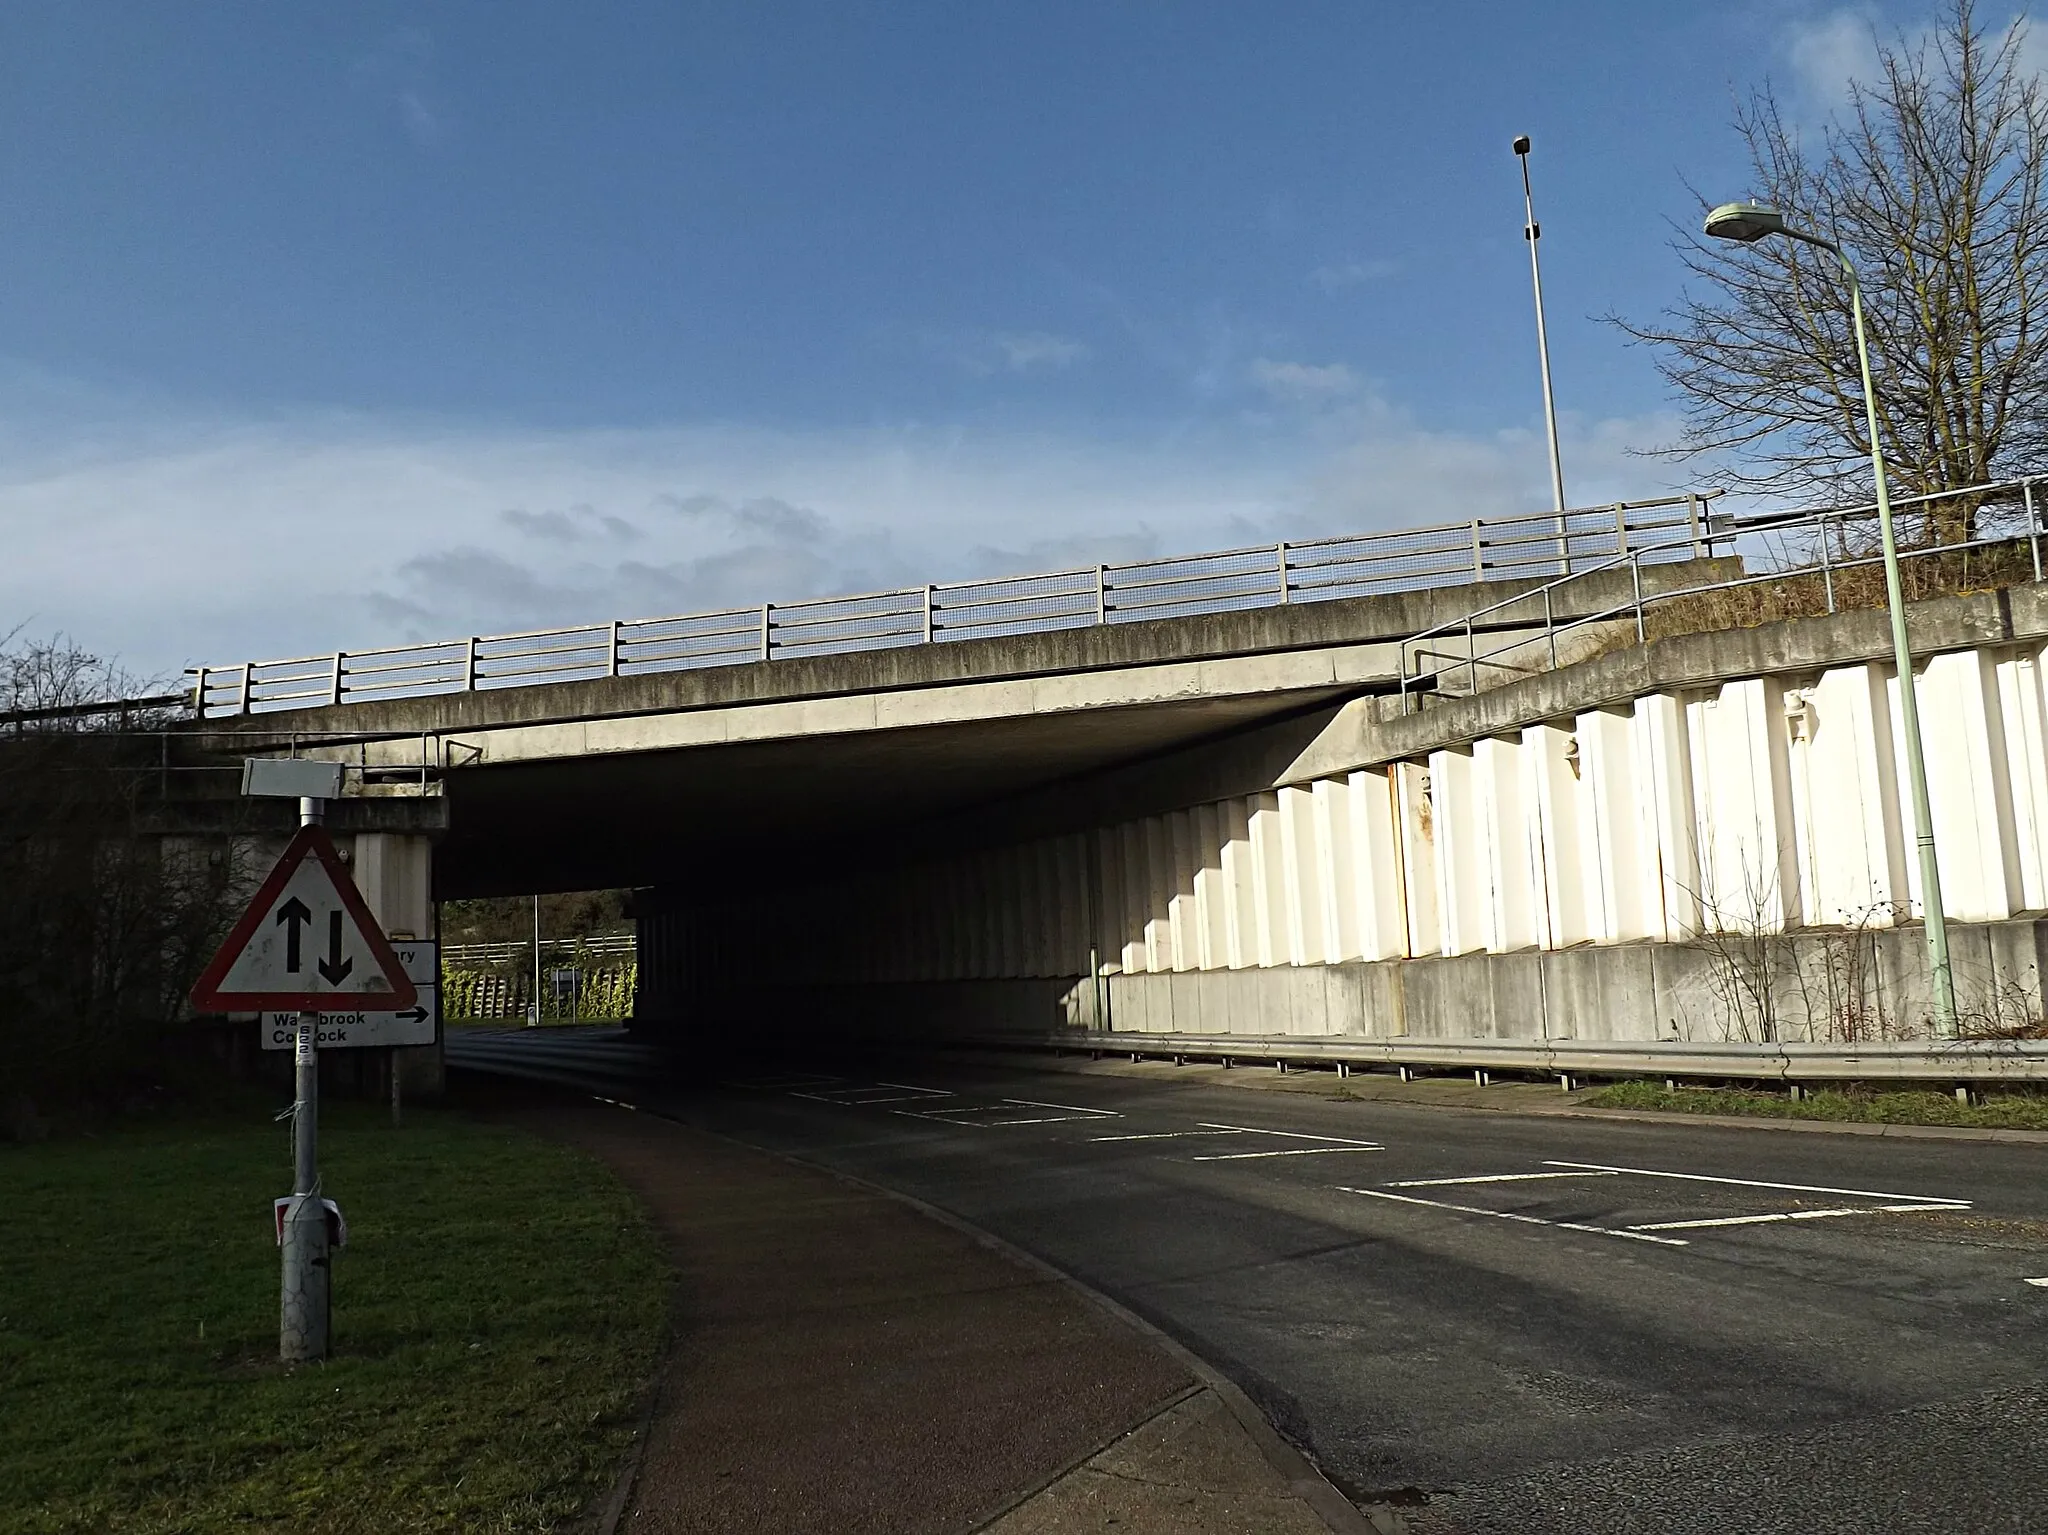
1522	144
1744	222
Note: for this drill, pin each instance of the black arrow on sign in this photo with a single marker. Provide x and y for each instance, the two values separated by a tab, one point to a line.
295	916
417	1015
333	969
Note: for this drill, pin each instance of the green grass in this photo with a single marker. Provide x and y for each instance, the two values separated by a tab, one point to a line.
1997	1111
496	1314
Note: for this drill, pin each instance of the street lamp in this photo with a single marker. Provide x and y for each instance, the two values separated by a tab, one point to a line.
1747	223
1532	232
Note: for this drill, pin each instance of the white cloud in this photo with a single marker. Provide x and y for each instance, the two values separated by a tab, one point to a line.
983	353
1828	53
170	540
1349	274
1302	382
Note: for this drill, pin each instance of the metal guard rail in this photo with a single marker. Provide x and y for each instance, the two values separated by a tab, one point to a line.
1351	565
1971	1061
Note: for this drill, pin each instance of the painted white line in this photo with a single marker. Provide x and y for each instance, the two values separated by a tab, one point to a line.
1299	1151
1049	1119
1163	1135
912	1087
1509	1215
867	1098
1072	1108
1434	1183
1783	1215
2043	1283
1755	1183
1292	1135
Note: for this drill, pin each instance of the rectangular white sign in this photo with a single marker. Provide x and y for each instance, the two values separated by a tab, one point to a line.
366	1030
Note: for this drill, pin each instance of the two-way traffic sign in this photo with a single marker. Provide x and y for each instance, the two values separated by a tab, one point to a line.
307	943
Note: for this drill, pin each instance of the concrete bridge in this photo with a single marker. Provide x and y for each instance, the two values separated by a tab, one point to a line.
1243	824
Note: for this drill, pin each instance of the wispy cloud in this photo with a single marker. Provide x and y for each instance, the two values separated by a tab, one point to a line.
1302	383
1350	274
984	353
399	71
171	539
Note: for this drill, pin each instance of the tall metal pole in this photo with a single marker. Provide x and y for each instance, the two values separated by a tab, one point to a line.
1533	232
534	1016
1940	975
305	1293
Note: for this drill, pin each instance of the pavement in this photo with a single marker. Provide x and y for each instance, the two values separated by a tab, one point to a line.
843	1362
1490	1322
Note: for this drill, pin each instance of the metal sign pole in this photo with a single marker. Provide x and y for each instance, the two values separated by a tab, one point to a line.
306	1294
302	1325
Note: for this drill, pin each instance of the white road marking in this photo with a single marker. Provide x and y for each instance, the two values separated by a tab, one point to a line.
1785	1215
1164	1135
2043	1283
1299	1151
1293	1135
1072	1108
1932	1200
1432	1183
1509	1215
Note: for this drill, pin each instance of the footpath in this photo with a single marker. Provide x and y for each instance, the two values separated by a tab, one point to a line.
843	1363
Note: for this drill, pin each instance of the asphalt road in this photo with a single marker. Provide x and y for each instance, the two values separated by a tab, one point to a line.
1498	1323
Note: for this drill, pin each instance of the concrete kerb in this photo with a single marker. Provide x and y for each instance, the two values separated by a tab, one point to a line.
1300	1473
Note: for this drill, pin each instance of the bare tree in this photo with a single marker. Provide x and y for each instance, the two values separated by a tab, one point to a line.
1931	181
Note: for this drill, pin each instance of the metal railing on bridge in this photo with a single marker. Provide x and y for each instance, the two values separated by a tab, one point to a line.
1824	549
1354	565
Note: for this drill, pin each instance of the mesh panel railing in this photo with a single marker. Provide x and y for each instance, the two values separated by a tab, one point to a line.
1353	565
2001	525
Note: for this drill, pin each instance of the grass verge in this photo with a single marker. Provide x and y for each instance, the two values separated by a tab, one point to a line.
496	1314
1996	1111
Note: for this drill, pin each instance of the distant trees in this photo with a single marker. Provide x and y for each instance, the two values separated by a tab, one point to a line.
1931	179
102	921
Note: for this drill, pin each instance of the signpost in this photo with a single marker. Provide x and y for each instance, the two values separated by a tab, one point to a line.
308	946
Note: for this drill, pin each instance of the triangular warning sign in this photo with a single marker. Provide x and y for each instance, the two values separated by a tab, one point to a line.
306	943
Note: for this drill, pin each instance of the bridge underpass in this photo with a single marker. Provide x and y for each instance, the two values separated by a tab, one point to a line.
1232	831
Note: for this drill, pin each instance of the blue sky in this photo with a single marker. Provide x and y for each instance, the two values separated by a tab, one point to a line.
335	326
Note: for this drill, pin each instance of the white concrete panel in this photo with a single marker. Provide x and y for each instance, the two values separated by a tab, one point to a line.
2023	704
1269	882
1510	878
1159	883
1613	825
1551	787
1240	885
1336	869
1136	886
1182	916
1845	800
1417	829
1748	860
1968	784
1212	916
1302	876
1380	891
1663	771
1463	893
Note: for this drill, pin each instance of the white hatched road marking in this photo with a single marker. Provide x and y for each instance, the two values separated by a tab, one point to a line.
1785	1215
1293	1135
2043	1283
1299	1151
1164	1135
1072	1108
1755	1183
1509	1215
1434	1183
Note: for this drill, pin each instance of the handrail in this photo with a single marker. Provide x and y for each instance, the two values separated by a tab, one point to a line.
1826	522
1319	569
